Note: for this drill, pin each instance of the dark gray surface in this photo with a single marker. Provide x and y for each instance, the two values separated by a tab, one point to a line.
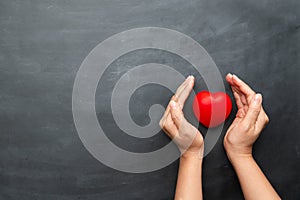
42	44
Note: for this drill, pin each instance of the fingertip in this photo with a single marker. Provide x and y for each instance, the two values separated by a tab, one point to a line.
229	75
229	78
191	80
191	76
258	99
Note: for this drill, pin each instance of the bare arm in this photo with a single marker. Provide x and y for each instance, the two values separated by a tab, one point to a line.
189	181
253	182
189	141
240	137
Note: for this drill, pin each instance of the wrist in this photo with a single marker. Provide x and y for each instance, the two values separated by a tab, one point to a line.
192	155
237	152
236	157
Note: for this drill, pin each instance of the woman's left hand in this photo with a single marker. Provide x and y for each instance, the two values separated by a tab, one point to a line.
187	137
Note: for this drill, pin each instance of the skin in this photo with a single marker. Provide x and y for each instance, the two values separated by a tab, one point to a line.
189	141
240	137
238	142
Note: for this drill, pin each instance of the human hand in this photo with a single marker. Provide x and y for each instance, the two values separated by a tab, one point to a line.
187	137
249	122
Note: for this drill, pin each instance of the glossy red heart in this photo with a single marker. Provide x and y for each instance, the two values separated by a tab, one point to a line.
202	107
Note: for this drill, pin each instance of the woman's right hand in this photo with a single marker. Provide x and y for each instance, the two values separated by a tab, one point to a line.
249	122
240	137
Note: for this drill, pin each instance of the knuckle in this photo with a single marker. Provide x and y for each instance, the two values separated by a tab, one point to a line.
175	117
267	120
161	123
174	97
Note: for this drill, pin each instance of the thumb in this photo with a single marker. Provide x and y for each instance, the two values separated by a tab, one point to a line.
253	110
176	113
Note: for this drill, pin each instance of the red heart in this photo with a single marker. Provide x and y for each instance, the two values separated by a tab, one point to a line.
202	107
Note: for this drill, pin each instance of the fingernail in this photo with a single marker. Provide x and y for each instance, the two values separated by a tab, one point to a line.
257	98
173	104
190	77
229	74
236	77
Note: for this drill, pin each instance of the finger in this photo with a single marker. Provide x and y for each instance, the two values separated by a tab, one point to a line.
169	126
178	93
186	92
167	111
181	87
242	96
262	121
242	87
175	96
229	78
176	114
241	103
238	100
253	111
245	100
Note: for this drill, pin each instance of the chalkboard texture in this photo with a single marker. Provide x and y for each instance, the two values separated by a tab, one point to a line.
44	42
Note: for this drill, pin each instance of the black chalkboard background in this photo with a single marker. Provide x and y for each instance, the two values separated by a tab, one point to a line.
43	43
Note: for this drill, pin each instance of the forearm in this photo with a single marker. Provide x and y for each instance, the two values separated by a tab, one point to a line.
189	181
252	180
